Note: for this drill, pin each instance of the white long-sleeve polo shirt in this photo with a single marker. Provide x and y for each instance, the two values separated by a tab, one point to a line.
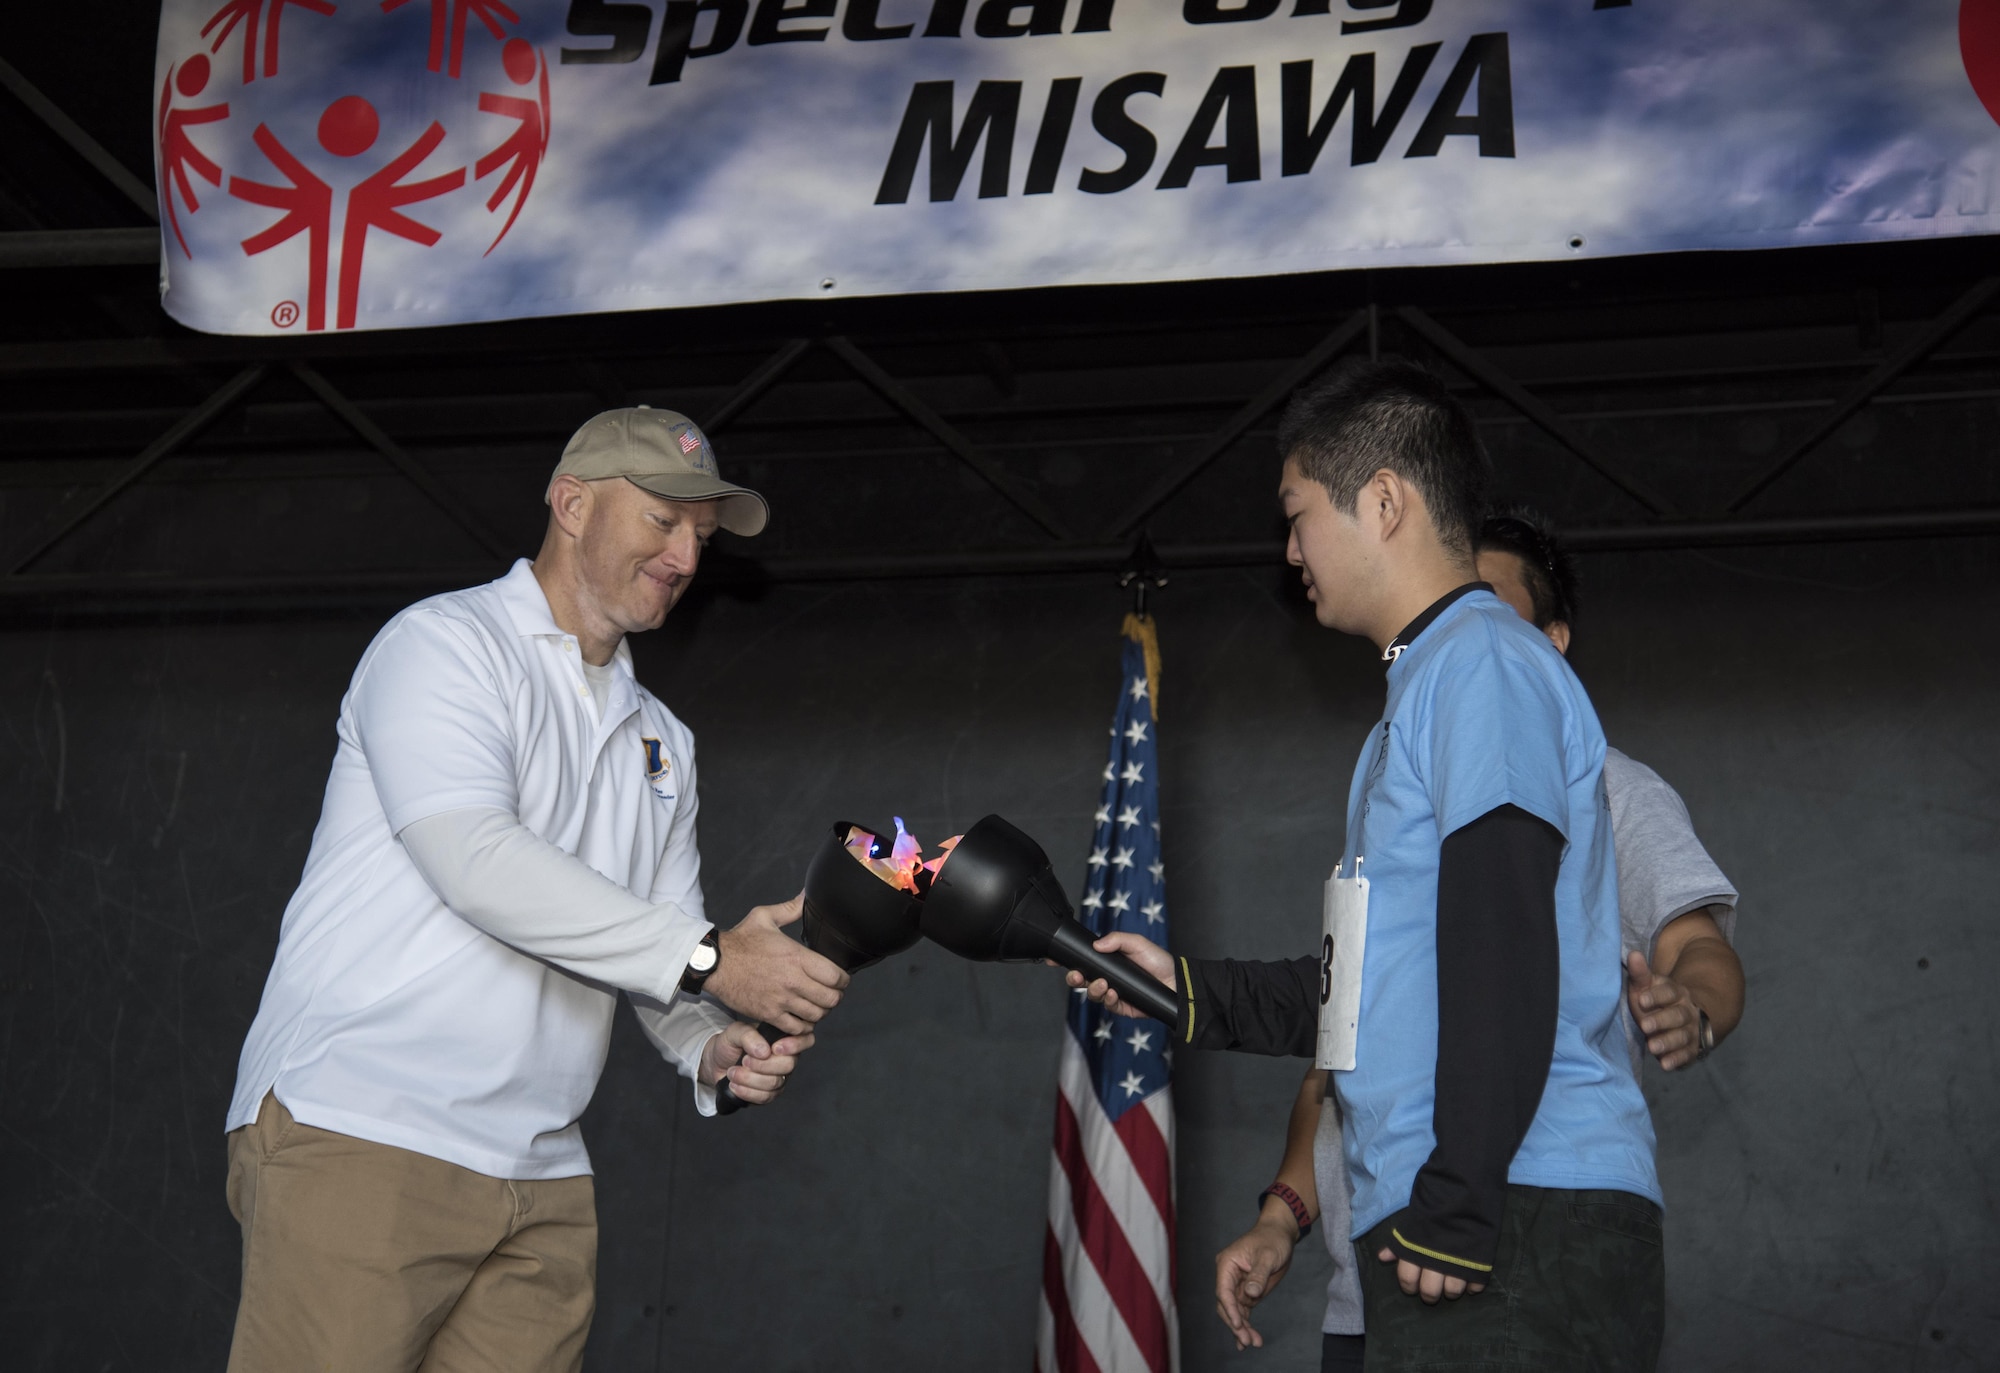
477	1035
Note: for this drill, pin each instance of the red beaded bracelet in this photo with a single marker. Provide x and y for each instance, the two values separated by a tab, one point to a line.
1291	1199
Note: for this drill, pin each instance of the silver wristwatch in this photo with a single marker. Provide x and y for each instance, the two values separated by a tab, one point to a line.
1705	1036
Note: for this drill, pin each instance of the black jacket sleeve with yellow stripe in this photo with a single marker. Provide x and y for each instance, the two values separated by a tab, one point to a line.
1498	972
1253	1008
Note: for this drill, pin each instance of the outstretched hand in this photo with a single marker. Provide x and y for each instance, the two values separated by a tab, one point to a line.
1664	1012
1251	1265
1149	956
755	1068
763	974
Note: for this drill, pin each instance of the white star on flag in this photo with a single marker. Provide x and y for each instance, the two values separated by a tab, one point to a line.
1158	869
1141	1040
1092	901
1122	859
1120	901
1133	1084
1097	858
1136	732
1103	1031
1138	689
1109	772
1152	911
1134	773
1126	818
1103	815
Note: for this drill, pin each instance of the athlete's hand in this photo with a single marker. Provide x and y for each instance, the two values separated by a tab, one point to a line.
755	1068
764	975
1248	1268
1428	1283
1141	950
1665	1013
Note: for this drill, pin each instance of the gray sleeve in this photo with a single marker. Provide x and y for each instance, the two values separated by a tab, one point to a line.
1336	1219
1663	871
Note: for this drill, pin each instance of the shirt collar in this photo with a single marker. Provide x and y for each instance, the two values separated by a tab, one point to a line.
1429	617
527	607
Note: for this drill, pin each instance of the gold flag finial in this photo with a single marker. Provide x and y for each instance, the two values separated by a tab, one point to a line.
1141	630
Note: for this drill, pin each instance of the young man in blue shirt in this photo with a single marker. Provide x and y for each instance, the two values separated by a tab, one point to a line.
1494	1130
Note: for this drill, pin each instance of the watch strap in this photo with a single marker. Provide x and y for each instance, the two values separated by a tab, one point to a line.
692	978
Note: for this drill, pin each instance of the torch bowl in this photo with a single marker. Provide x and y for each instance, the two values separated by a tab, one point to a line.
852	916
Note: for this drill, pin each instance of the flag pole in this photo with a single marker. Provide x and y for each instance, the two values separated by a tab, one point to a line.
1144	570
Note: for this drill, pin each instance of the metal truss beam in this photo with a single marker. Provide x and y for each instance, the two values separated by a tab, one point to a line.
756	384
906	400
182	430
44	248
92	594
93	152
1217	443
420	476
1914	350
1548	421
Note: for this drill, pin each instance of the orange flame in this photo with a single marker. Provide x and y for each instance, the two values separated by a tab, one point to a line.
905	859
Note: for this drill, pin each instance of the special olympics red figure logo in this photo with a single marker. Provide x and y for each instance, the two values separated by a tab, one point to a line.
319	202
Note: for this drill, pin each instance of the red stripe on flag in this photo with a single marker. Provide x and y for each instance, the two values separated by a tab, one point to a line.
1141	1136
1072	1355
1109	1249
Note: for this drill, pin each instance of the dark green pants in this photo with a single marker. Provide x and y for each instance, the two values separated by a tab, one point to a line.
1579	1286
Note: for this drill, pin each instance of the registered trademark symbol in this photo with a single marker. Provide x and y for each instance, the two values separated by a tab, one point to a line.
285	314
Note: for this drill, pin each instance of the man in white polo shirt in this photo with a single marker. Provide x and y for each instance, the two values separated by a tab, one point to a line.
507	842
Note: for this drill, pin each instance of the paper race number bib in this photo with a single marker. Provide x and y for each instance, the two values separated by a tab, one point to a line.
1343	940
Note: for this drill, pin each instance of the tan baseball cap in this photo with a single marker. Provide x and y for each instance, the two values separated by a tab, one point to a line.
660	451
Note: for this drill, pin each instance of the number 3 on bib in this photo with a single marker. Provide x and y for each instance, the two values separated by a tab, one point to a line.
1343	940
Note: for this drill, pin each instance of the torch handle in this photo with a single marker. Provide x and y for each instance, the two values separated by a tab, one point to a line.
727	1103
1070	947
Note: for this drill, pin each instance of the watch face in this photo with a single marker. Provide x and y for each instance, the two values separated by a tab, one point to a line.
702	959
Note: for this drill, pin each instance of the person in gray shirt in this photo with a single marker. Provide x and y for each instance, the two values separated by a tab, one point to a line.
1684	983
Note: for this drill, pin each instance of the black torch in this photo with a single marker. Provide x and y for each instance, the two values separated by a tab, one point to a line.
995	898
852	917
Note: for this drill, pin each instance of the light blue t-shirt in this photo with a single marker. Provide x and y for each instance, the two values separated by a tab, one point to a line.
1483	712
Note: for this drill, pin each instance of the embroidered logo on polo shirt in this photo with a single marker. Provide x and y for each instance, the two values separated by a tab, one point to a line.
658	765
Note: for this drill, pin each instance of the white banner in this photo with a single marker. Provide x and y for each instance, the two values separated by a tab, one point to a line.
340	164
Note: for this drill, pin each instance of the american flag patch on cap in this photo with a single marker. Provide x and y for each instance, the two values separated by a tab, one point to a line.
690	441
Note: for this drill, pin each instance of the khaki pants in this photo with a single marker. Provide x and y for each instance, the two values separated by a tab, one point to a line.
364	1258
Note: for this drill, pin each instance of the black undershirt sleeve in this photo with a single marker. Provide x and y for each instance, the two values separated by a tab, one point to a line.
1254	1008
1498	974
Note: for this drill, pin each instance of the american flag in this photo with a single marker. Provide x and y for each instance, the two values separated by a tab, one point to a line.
689	441
1108	1255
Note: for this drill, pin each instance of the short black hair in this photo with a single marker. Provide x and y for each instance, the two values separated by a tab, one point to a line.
1391	413
1546	565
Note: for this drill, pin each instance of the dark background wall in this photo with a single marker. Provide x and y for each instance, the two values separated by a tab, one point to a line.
1827	713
